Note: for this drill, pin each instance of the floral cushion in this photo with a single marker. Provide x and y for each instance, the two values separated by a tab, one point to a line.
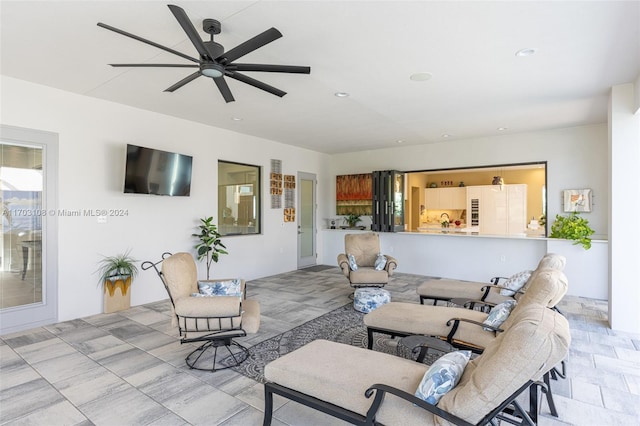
499	314
367	299
352	262
219	288
381	261
515	283
442	376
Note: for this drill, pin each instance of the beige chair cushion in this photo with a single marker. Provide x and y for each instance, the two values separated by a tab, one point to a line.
547	289
412	318
551	261
538	340
251	316
472	290
180	275
365	247
448	289
340	374
368	275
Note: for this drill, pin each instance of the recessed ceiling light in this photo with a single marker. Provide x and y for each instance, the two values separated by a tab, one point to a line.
527	51
341	94
399	141
445	135
236	118
501	129
420	76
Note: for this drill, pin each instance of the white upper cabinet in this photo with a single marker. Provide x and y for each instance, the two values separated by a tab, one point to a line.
446	198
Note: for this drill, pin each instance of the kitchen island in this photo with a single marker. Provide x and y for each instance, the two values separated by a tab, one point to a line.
474	257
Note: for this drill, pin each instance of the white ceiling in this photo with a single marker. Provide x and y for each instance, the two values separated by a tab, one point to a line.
366	48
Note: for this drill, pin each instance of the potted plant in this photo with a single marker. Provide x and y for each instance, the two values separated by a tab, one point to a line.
572	227
352	219
115	275
210	246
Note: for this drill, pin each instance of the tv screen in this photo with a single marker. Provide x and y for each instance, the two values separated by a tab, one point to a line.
151	171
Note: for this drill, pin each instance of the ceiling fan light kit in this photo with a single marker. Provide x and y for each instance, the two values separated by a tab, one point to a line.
213	61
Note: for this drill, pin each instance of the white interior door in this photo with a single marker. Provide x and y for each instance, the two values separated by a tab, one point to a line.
306	219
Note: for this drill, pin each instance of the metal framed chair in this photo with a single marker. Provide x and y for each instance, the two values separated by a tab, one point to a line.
213	321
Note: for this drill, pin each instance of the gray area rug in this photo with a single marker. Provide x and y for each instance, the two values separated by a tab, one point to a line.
343	325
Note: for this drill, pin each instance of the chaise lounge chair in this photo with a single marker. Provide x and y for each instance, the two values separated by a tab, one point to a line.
446	290
366	387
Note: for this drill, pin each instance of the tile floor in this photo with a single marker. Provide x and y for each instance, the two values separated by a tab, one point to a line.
127	368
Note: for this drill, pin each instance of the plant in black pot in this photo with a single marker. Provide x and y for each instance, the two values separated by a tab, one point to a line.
210	246
115	274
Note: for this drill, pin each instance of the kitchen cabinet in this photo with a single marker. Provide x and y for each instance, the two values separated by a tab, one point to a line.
498	209
446	198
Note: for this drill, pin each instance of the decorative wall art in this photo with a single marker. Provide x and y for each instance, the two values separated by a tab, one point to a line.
290	215
289	198
275	184
354	194
577	200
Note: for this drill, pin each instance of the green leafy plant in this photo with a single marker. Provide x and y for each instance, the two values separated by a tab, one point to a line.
352	219
210	246
118	267
572	227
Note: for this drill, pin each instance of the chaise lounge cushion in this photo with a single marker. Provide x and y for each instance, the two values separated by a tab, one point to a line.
340	374
547	288
538	340
412	318
446	289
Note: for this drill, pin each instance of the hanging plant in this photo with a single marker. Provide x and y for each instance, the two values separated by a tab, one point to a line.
572	227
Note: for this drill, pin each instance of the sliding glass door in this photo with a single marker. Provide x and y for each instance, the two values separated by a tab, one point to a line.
27	229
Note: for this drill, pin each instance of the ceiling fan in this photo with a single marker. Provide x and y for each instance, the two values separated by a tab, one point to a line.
213	61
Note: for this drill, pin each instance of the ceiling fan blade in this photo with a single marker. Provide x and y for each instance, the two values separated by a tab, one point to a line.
188	28
269	68
149	42
224	89
156	65
255	83
249	46
184	81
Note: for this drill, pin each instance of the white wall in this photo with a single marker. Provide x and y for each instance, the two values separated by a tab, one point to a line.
93	135
576	158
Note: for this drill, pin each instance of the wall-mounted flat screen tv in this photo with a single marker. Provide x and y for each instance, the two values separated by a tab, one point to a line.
151	171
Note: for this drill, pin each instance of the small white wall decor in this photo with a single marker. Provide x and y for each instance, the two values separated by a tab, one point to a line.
577	200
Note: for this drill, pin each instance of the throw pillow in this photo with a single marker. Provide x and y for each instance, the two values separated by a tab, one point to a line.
214	295
381	261
499	314
220	288
442	376
352	262
515	283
